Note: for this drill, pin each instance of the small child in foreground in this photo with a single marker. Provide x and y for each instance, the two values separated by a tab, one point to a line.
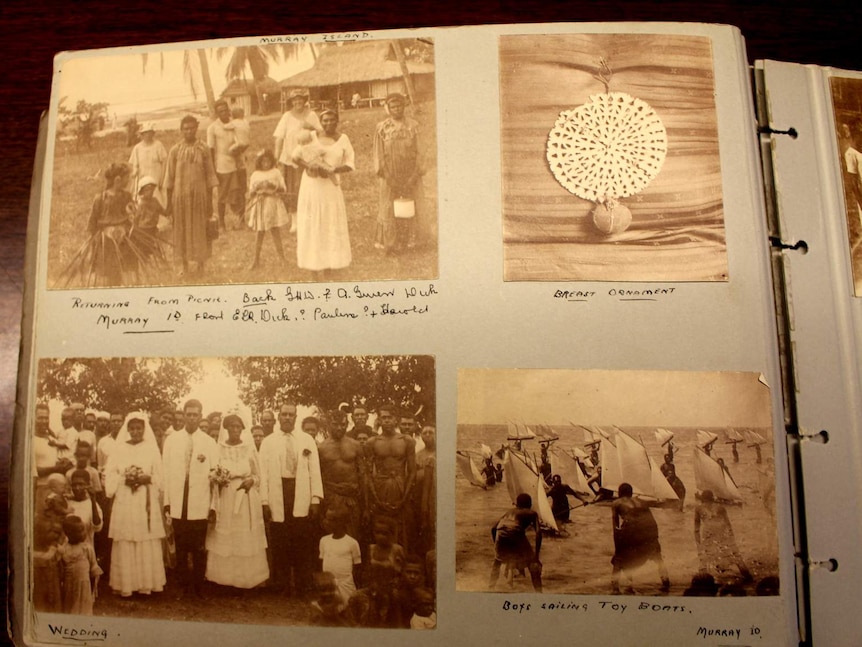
79	565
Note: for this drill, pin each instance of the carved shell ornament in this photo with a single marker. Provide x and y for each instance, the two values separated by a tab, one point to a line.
608	148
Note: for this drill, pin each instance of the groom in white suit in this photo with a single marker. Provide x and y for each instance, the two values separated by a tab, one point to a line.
291	491
187	458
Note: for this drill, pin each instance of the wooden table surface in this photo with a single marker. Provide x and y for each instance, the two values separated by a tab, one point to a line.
822	32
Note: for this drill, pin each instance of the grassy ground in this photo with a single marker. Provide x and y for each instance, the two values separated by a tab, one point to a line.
222	604
77	180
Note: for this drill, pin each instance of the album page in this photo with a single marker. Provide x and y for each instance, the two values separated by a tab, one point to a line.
467	330
818	204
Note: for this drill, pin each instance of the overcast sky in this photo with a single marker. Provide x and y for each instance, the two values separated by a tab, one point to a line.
625	398
120	80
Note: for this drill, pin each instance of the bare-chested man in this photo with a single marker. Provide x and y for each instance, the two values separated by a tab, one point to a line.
340	469
392	461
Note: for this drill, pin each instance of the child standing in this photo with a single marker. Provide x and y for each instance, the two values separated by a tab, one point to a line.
340	554
265	210
79	565
83	461
47	534
84	506
148	209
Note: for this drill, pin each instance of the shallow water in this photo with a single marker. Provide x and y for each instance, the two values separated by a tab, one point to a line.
580	563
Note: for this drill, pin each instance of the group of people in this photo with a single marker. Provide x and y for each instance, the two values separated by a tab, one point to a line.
635	531
340	517
294	186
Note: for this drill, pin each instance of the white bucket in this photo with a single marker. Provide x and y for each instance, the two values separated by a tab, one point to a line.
404	208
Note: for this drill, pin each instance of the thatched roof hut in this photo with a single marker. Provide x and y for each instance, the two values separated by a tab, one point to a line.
244	94
369	69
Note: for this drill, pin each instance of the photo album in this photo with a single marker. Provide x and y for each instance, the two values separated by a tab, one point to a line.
543	332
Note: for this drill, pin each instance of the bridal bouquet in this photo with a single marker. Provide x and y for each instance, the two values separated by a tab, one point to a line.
133	476
220	476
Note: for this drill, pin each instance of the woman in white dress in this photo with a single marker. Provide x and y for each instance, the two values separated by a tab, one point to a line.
148	159
322	238
236	543
133	478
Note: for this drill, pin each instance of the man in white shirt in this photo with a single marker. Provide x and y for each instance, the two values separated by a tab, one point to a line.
46	455
231	175
187	459
291	490
67	439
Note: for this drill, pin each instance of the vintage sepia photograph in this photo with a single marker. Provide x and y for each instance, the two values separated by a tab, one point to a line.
847	105
306	161
610	159
296	491
615	482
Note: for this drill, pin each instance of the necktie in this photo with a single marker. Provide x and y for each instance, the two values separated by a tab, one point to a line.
189	444
289	456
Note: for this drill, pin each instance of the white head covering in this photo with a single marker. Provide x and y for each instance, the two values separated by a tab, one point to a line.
149	437
245	437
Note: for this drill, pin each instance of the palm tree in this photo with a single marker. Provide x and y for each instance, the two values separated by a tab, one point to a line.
189	74
256	59
402	62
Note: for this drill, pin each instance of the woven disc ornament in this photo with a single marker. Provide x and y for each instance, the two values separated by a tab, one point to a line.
608	148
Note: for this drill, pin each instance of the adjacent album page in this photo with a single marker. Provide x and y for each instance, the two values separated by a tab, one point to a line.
468	330
818	198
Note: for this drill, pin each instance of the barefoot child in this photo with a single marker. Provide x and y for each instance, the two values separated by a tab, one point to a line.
340	554
265	210
79	565
84	506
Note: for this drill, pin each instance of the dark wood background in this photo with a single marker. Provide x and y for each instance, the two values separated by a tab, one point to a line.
825	32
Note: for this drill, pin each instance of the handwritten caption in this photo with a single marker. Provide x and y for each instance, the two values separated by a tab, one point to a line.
89	634
336	37
267	305
608	607
618	294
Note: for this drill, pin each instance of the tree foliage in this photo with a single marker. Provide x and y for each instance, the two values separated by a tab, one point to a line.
190	74
117	384
256	59
326	382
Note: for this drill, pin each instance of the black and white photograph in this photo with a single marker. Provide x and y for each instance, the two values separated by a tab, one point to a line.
610	159
615	482
296	491
300	161
847	105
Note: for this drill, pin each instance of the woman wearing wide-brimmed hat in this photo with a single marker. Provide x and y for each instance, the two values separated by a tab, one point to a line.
300	118
148	159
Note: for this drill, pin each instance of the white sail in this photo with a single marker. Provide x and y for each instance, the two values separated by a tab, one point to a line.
609	461
469	470
543	505
627	461
486	451
520	431
566	466
753	438
734	435
517	476
708	475
663	436
705	437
